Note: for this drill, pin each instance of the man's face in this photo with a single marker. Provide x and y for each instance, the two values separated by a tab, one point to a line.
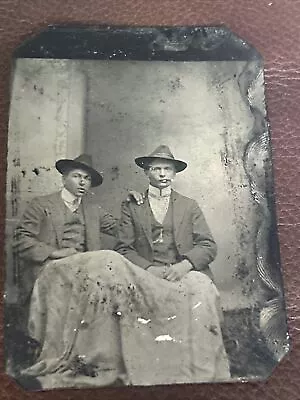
161	173
77	181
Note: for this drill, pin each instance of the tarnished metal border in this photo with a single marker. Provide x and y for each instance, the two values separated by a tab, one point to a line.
258	167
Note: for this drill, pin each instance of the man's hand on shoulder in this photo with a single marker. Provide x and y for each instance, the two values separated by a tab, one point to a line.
62	253
136	196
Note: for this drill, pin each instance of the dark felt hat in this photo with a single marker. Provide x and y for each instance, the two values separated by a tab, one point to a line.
84	161
162	152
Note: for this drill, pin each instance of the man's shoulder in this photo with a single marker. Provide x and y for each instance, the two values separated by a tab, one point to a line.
93	207
186	199
46	198
92	202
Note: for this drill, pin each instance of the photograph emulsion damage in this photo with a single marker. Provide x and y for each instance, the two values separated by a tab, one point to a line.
141	242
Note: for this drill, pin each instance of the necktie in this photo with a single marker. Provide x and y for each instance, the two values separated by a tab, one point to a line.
75	204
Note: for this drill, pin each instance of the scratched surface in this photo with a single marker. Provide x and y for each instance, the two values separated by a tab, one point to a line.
281	72
218	107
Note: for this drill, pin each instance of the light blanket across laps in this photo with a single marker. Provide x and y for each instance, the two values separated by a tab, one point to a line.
98	311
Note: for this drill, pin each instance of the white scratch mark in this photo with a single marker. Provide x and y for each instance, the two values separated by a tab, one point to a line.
173	317
197	305
144	321
164	338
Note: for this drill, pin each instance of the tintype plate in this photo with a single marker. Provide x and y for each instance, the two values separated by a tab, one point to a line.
99	295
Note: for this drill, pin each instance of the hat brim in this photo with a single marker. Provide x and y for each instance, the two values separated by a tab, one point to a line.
64	165
143	162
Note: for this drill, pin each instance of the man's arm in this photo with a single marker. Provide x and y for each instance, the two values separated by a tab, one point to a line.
109	224
204	249
26	239
127	238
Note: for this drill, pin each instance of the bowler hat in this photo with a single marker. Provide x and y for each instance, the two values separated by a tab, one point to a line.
84	161
161	152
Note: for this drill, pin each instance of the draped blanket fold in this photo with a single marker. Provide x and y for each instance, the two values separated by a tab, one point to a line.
99	319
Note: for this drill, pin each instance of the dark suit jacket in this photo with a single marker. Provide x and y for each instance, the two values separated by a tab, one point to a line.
40	232
192	236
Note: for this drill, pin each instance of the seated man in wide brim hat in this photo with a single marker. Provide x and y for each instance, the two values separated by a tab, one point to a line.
169	238
169	229
63	223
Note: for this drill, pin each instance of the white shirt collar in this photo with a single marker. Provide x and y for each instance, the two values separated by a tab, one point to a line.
156	192
69	197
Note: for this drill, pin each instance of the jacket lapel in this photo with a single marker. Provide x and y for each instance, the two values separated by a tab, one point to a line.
92	228
179	209
144	217
57	214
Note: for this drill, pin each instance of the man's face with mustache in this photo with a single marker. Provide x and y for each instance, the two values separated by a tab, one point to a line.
160	173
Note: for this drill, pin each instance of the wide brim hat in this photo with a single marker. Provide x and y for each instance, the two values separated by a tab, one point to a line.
161	153
84	161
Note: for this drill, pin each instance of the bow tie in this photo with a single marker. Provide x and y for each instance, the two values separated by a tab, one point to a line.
156	196
74	202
